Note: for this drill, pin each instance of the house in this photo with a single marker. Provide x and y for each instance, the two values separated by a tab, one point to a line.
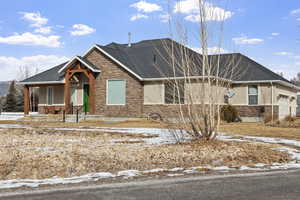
129	81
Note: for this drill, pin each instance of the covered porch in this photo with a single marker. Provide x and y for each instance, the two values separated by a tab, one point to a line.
75	92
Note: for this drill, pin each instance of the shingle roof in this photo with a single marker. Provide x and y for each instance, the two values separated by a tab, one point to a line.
140	59
50	75
150	59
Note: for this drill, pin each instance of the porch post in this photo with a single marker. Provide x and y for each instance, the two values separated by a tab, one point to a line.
67	92
26	100
92	93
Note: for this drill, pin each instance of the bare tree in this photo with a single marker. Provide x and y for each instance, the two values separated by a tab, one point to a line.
197	82
296	80
24	73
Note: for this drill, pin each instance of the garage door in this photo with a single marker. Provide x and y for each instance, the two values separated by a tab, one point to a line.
284	107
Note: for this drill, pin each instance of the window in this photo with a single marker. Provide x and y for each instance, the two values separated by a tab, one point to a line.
116	92
74	96
49	95
174	93
253	95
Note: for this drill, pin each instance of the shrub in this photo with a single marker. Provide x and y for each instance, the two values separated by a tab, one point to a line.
229	114
290	119
268	118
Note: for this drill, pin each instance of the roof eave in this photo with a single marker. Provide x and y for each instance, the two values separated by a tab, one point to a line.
42	82
180	78
80	60
270	81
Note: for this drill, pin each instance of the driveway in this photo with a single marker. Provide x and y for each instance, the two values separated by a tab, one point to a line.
258	186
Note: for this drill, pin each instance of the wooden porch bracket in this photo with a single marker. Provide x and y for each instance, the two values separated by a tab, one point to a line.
90	75
26	100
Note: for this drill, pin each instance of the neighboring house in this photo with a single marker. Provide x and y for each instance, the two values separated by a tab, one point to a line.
121	80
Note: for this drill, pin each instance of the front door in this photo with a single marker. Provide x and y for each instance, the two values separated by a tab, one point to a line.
86	94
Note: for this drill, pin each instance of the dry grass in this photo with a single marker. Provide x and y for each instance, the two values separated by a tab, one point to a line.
288	122
123	124
260	129
42	154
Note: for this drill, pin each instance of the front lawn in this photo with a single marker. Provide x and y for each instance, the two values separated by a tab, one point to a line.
260	129
45	152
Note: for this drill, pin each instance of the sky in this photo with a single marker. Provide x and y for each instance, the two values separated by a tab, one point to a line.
41	34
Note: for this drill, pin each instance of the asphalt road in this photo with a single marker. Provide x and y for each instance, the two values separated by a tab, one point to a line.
260	186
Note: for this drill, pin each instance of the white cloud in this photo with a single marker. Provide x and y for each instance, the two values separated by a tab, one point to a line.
10	65
44	30
294	12
275	34
30	39
144	6
284	53
191	9
34	18
138	16
246	40
211	50
289	54
297	63
81	29
297	57
164	18
298	19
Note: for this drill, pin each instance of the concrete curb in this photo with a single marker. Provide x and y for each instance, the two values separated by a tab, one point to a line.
143	183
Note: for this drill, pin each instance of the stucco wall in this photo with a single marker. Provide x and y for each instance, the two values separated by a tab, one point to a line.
194	92
264	94
154	93
240	97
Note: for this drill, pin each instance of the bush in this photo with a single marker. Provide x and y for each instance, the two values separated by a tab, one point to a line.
268	118
290	119
229	114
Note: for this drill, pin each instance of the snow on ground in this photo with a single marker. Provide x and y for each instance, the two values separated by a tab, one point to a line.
12	115
163	136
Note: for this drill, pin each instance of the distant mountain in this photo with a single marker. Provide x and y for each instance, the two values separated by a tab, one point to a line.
4	85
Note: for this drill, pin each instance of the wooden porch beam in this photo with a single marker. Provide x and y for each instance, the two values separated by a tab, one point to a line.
67	92
26	100
92	93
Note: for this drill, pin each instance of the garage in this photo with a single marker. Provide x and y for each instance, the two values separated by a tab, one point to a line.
284	106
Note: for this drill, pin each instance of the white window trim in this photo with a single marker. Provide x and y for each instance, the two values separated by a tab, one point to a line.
47	103
106	93
258	94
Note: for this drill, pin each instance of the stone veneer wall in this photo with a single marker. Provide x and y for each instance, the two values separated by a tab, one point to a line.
134	88
171	111
57	109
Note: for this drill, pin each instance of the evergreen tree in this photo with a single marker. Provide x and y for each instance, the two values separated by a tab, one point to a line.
20	100
11	99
